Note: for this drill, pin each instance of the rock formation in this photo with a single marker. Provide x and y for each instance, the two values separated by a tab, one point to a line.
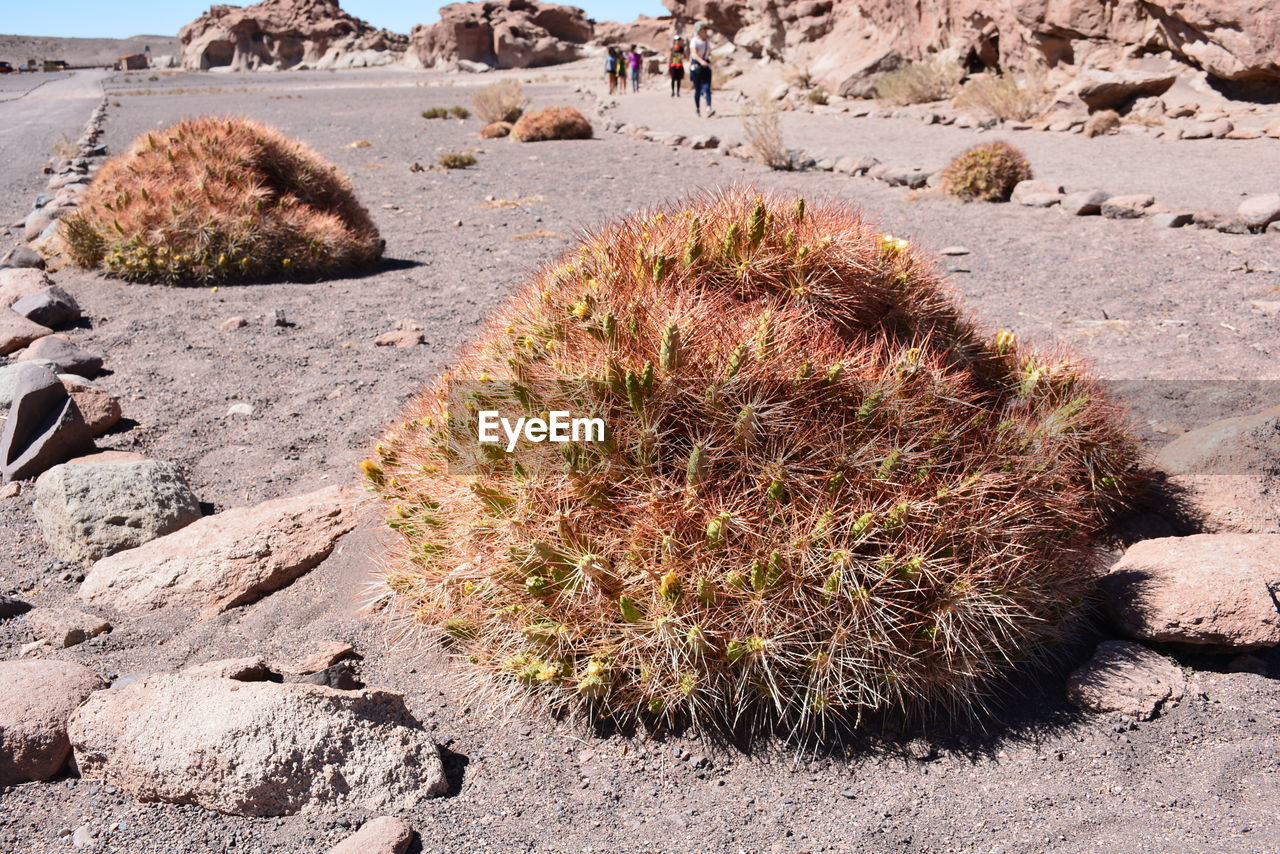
844	42
280	34
653	33
509	34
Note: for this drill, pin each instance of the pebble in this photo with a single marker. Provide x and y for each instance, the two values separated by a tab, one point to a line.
954	250
244	409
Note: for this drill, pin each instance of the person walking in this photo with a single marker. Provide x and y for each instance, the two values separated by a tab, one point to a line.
700	69
675	65
634	60
611	68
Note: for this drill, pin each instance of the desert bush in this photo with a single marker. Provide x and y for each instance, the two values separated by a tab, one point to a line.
495	130
762	134
459	112
818	96
822	493
918	83
1004	96
798	75
986	172
551	123
436	113
457	160
220	200
503	101
1102	123
63	147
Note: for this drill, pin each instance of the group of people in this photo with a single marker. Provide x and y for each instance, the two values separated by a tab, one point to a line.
622	66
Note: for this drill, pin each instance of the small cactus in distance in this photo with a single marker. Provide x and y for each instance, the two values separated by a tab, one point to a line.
220	200
986	172
823	493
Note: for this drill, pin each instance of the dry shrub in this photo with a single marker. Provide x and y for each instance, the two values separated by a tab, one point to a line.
457	160
1102	123
551	123
822	494
220	200
64	147
459	112
818	96
436	113
1004	96
762	131
986	172
918	83
495	130
503	101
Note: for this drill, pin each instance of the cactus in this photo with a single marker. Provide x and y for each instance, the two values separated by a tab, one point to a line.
220	200
987	172
825	493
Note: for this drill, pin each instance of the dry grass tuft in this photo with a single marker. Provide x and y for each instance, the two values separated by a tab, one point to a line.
551	123
503	101
1004	96
762	132
919	83
986	172
823	494
457	160
220	200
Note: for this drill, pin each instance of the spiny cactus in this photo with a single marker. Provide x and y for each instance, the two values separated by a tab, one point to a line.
551	123
220	200
986	172
822	493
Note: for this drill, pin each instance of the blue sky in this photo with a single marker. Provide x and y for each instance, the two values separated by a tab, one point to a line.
108	19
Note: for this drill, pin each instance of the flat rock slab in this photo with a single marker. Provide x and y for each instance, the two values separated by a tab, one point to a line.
1215	592
256	748
383	835
36	700
1127	678
87	512
229	559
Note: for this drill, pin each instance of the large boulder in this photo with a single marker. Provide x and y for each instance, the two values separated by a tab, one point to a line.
508	34
653	33
88	510
228	559
256	748
1113	90
1128	678
283	34
36	701
1214	592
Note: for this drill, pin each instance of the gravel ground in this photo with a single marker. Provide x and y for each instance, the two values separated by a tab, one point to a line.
1168	310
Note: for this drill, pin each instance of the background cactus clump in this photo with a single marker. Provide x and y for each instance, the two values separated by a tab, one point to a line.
823	494
986	172
551	123
220	200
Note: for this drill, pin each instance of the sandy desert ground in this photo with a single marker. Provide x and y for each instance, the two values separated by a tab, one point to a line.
1165	312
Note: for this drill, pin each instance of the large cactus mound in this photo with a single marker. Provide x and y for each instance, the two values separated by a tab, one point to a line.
822	493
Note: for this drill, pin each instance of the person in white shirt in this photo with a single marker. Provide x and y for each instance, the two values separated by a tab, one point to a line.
700	68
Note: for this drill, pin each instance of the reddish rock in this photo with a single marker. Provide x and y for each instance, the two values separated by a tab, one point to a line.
382	835
64	627
653	33
17	332
18	282
36	700
286	34
101	409
509	34
399	338
1127	678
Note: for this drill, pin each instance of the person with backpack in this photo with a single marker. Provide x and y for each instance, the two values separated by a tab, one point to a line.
675	65
634	60
700	69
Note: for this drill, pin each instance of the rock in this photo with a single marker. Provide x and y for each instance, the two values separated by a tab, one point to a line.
400	338
342	676
1171	220
64	627
252	669
69	358
1127	207
1040	200
1109	90
382	835
83	837
101	409
17	282
704	142
11	607
1210	591
1028	188
1195	132
279	34
653	33
1084	203
52	307
1232	225
22	256
87	512
17	331
953	250
44	426
233	323
241	410
1220	128
229	559
1183	111
1260	211
899	176
1246	663
1101	124
1127	678
326	654
859	81
1244	133
294	746
36	699
501	35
